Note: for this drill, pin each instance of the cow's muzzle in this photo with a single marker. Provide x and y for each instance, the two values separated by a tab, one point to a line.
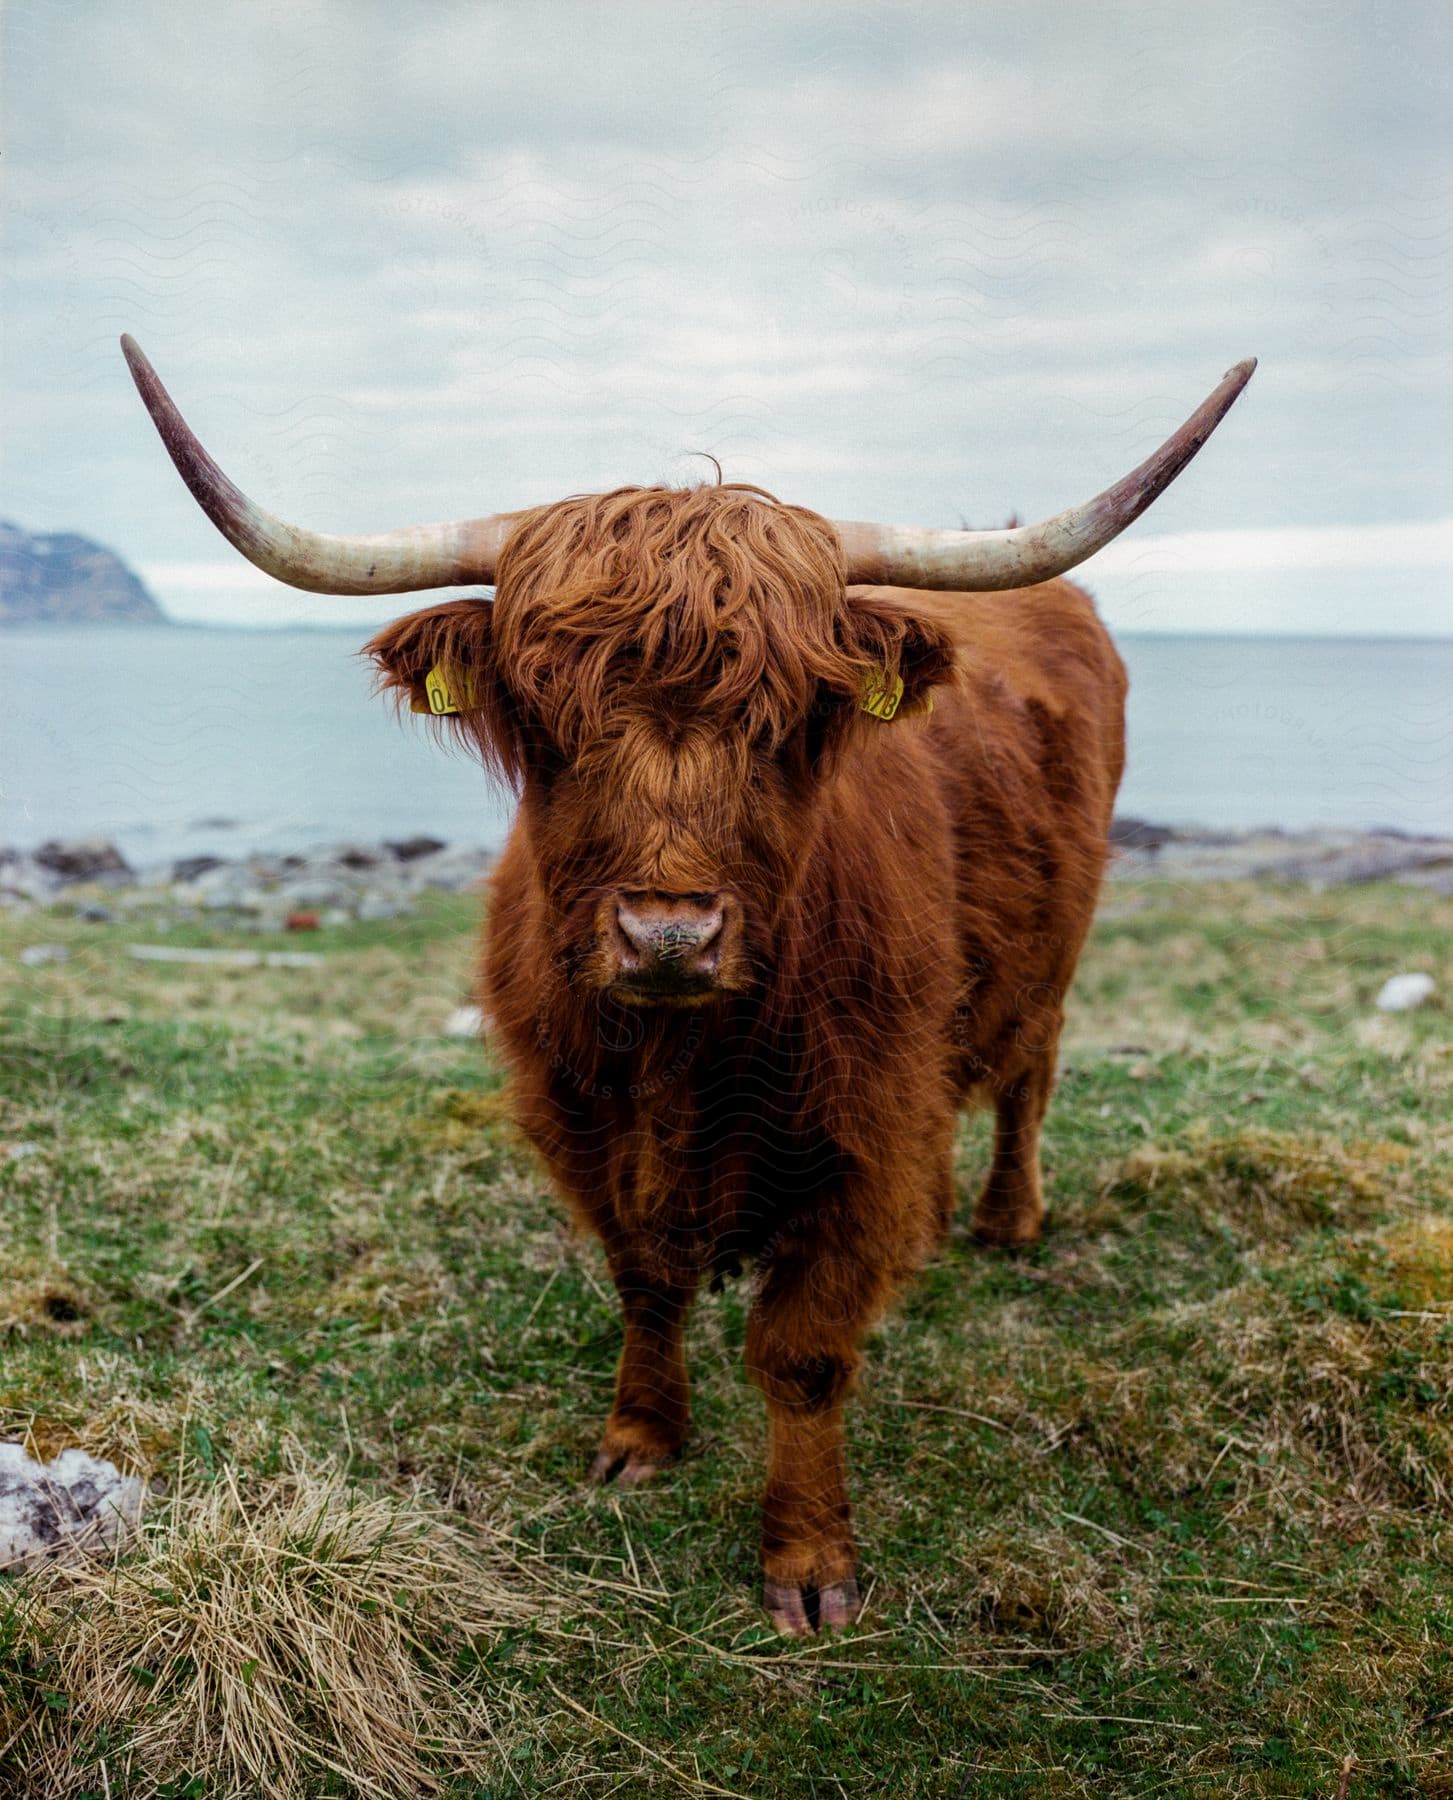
667	946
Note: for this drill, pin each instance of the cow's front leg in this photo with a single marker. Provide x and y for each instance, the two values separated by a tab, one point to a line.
652	1408
802	1350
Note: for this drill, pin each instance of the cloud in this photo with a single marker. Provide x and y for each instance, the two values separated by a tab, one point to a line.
1384	548
924	263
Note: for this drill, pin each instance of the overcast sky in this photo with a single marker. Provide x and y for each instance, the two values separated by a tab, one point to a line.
924	263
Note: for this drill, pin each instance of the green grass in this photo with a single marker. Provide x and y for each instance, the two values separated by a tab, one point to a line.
1162	1507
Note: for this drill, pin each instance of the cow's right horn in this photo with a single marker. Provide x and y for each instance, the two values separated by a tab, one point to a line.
388	562
916	556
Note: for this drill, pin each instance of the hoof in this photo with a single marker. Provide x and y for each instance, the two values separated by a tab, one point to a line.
625	1468
1008	1231
838	1605
800	1610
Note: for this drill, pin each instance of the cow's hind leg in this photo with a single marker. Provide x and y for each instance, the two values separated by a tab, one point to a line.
1011	1207
652	1408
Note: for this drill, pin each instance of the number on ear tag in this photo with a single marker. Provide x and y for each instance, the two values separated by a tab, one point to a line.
881	696
438	694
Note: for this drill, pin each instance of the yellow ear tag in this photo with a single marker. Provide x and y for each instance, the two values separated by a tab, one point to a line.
884	699
438	695
881	696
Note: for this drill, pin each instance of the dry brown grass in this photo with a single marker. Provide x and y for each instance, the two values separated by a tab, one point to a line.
286	1639
1043	1589
42	1297
1265	1185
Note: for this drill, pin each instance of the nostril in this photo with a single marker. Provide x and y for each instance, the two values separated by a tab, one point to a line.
679	929
634	929
690	943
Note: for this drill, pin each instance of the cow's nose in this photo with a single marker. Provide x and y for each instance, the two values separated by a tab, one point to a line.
669	936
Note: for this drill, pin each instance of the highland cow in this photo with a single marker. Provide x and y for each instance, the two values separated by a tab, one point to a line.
807	845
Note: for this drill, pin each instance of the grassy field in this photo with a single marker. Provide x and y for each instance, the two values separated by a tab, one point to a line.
1163	1507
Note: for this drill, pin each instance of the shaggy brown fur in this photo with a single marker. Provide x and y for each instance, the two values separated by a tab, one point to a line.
672	682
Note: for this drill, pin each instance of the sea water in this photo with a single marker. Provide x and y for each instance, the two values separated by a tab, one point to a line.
176	740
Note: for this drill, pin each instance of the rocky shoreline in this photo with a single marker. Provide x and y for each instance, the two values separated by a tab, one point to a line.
1321	859
338	883
332	885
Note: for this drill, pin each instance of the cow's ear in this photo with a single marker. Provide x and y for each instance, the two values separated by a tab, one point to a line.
894	637
892	652
441	662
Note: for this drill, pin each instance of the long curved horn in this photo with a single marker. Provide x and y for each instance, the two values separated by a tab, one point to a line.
389	562
916	556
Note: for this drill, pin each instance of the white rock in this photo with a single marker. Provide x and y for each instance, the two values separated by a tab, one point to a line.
25	877
71	1506
35	956
315	892
464	1022
235	896
375	906
1401	993
452	870
226	959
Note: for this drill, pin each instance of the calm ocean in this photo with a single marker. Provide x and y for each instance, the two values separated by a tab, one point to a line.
184	740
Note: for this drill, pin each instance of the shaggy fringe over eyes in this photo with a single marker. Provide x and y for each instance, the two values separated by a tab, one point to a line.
711	609
715	603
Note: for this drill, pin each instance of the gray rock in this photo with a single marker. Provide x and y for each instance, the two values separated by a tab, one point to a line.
411	849
452	871
83	859
268	870
235	897
229	884
24	878
188	868
312	891
1129	833
1383	859
382	906
357	856
1437	880
36	956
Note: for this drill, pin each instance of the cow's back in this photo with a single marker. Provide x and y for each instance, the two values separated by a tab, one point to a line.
1028	745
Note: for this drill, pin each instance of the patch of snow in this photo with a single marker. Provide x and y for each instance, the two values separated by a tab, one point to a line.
74	1505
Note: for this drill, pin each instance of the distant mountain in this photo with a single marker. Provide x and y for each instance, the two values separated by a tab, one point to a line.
58	578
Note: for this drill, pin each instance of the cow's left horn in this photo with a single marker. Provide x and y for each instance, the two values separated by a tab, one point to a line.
916	556
389	562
